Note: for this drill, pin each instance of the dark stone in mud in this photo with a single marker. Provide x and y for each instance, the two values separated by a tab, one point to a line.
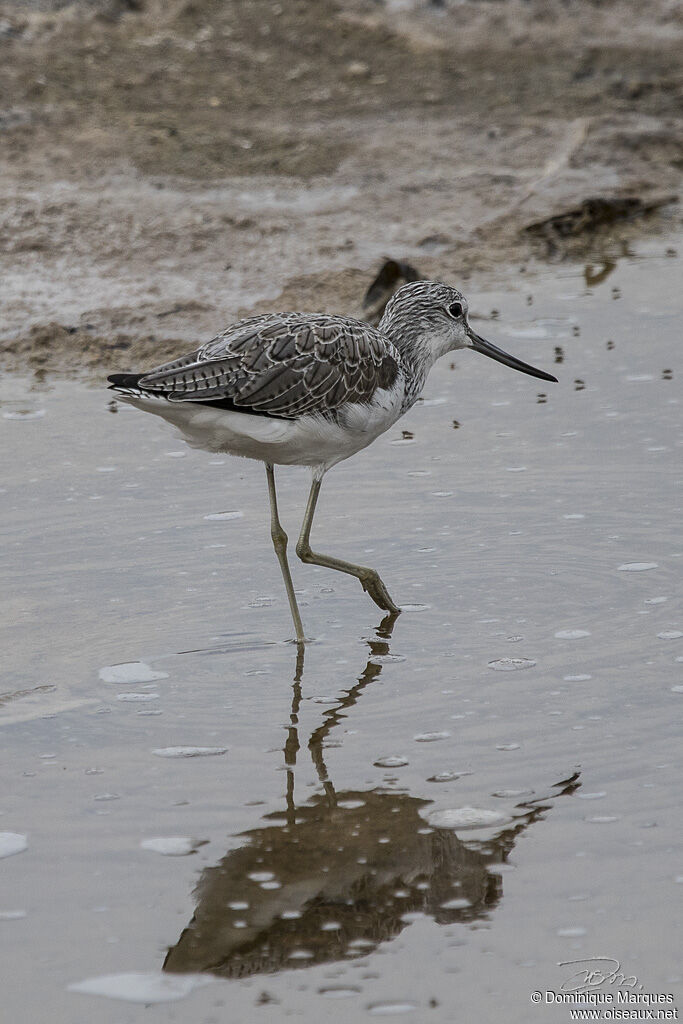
594	213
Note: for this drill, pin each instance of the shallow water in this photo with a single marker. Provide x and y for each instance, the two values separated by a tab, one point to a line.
427	815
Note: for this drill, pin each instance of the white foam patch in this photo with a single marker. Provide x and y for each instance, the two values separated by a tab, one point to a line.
392	761
24	414
140	987
511	664
637	566
172	846
223	516
130	672
189	751
464	817
11	843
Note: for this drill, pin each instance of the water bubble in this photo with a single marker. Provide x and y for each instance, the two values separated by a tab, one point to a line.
507	746
581	678
637	566
261	876
172	846
571	634
391	761
670	634
459	903
570	933
350	805
655	600
189	751
464	818
136	698
12	915
605	819
337	992
11	843
592	796
130	672
511	664
430	737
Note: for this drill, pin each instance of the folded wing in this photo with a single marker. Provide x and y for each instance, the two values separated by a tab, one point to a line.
283	365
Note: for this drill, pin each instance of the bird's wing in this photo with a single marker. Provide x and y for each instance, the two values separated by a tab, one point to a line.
282	364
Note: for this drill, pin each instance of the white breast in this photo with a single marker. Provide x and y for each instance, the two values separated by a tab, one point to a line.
310	440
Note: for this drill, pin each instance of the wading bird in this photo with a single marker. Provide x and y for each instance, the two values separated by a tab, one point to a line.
308	389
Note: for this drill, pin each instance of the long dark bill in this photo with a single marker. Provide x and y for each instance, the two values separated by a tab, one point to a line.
487	349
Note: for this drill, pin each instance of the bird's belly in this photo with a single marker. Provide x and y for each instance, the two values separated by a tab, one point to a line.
310	440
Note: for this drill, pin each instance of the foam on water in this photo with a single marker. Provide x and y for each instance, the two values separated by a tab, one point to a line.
464	818
11	843
130	672
447	776
136	698
223	516
189	751
172	846
141	987
511	664
384	1009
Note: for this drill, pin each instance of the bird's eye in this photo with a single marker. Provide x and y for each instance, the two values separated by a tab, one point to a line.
455	309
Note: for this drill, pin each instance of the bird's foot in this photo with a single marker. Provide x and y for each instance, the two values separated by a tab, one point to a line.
373	586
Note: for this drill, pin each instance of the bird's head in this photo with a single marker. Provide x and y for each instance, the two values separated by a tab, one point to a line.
432	318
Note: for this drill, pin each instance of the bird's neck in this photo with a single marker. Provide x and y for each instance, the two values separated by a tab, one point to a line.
417	356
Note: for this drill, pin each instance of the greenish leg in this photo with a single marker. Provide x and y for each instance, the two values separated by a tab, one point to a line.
369	578
280	544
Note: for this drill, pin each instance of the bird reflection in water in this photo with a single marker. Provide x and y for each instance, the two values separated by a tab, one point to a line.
334	877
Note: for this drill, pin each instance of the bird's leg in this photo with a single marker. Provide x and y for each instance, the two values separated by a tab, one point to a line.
369	578
280	544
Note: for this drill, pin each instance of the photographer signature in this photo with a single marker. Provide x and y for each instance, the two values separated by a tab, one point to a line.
594	972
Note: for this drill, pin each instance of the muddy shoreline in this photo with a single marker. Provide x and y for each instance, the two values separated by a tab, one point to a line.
164	169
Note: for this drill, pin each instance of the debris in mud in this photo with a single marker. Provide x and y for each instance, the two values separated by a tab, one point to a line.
593	214
391	276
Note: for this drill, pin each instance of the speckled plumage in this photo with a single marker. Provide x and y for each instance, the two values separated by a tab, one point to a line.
284	365
310	389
